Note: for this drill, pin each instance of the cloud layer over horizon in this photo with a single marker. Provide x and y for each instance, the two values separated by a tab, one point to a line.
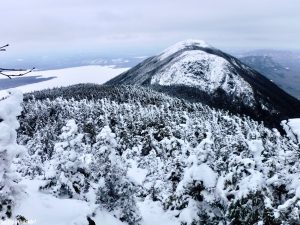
148	26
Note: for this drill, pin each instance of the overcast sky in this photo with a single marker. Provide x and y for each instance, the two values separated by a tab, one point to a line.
141	26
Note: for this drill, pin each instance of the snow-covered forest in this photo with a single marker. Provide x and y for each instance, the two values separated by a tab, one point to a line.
122	149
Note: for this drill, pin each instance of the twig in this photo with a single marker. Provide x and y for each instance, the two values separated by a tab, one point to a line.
3	48
16	75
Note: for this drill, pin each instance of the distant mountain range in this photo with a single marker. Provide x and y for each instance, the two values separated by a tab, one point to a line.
66	61
282	67
199	72
266	65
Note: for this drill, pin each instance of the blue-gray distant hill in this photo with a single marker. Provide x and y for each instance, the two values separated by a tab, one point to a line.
282	67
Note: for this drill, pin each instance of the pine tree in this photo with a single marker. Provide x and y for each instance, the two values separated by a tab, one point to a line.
67	171
116	193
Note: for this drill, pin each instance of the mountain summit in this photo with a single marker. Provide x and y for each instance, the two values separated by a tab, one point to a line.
199	72
188	44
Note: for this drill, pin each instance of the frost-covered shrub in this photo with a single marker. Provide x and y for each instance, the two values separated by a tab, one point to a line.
117	195
67	171
115	192
10	108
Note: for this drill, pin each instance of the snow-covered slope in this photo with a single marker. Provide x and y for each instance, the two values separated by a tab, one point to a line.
39	80
197	71
44	209
207	72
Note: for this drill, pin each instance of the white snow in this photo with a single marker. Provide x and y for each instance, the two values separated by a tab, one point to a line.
136	174
292	128
10	108
200	172
255	181
3	94
189	213
10	191
70	76
182	45
45	209
220	186
256	147
69	129
152	213
208	72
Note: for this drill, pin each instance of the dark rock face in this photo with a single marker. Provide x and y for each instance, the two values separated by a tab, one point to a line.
91	222
239	89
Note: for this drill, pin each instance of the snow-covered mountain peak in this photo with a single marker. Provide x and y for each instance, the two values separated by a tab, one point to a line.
198	72
207	72
187	44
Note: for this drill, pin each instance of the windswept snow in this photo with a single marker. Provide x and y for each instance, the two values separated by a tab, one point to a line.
70	76
182	45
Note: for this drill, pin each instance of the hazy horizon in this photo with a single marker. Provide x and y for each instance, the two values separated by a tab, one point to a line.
117	28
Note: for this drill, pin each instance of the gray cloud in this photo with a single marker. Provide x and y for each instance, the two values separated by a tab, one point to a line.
134	25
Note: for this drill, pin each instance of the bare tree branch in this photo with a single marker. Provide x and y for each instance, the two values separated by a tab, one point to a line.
16	75
4	71
3	48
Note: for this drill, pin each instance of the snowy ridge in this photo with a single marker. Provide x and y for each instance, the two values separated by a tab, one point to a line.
183	45
205	71
194	67
197	72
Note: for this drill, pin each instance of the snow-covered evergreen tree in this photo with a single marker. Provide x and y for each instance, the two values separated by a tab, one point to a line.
116	193
10	108
67	171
